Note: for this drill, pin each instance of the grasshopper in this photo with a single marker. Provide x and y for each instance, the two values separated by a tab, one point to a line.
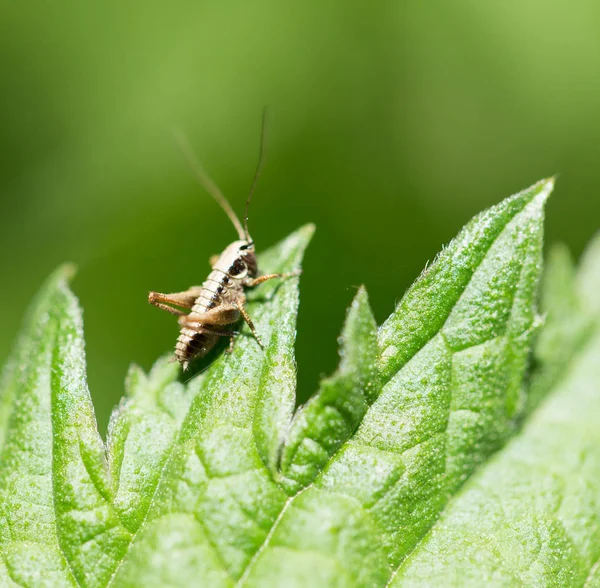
214	308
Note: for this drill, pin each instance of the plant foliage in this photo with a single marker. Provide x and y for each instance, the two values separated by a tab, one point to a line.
218	482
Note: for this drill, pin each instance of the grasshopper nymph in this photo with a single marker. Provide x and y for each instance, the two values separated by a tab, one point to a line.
218	304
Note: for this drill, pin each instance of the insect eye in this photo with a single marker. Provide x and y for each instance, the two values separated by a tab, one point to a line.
238	269
246	246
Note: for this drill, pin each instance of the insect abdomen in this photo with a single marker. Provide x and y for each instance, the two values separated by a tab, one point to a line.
192	344
211	293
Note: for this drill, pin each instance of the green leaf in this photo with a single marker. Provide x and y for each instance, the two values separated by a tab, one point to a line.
567	325
531	516
216	482
77	515
57	525
331	416
216	499
452	362
141	432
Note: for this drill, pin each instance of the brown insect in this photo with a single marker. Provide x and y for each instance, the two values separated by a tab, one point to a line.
213	308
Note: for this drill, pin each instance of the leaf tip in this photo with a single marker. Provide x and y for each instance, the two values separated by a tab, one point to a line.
59	278
135	376
544	188
67	271
534	198
307	231
361	293
301	238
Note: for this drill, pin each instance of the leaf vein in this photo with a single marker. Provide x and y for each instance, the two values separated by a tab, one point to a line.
53	357
163	469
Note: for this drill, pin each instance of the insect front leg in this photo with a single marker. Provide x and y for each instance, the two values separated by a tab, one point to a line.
182	299
251	282
248	320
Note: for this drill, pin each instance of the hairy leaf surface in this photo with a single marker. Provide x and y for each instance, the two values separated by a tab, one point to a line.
531	516
57	523
452	361
217	482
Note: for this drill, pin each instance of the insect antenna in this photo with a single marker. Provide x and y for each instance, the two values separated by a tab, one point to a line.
206	181
258	171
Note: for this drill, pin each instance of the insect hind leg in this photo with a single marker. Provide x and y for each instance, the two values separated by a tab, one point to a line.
225	314
182	299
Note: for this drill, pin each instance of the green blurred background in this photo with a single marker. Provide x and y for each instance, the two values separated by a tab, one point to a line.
392	123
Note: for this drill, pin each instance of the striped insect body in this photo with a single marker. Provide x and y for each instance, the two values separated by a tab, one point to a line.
211	311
